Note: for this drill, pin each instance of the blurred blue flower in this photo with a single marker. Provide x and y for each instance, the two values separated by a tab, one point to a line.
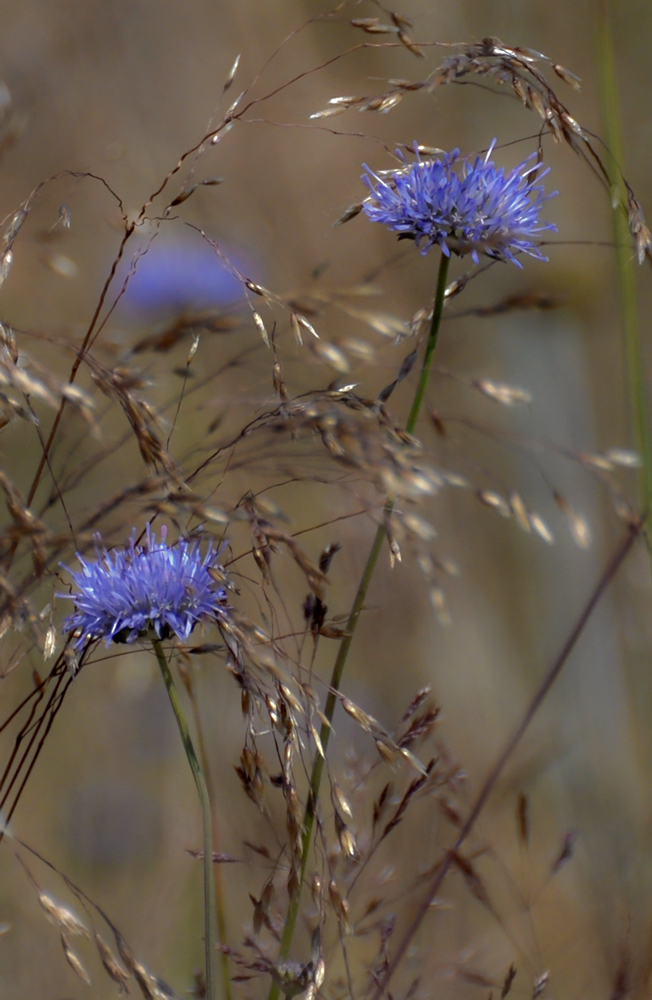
126	592
179	276
476	209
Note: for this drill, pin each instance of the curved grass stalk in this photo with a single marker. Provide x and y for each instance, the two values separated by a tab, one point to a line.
351	626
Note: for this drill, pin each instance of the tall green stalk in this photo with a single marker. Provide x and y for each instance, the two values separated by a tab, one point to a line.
624	260
352	624
210	935
220	905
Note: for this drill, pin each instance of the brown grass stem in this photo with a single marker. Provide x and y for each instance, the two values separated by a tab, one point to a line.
496	771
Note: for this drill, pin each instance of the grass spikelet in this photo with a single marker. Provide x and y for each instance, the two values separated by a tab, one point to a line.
73	960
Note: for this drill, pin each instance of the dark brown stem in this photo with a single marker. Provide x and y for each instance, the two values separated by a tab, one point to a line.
490	781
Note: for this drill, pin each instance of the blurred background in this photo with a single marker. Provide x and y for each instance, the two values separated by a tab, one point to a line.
120	91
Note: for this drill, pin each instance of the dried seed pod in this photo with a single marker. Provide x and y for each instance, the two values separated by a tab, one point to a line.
292	977
231	73
328	113
440	605
520	90
519	510
296	328
566	852
389	755
345	837
346	101
540	984
564	74
8	339
61	915
15	224
508	395
258	320
50	642
319	974
71	660
267	894
193	348
571	124
73	961
508	981
305	324
372	25
541	528
316	889
349	213
420	527
341	801
578	525
331	354
415	49
111	965
232	108
389	102
318	743
146	982
535	102
494	500
367	722
124	951
400	20
620	456
340	906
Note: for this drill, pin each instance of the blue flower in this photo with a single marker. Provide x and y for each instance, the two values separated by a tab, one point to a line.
174	274
126	592
476	209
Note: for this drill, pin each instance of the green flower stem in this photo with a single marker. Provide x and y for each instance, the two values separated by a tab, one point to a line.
625	264
352	623
222	926
437	311
210	935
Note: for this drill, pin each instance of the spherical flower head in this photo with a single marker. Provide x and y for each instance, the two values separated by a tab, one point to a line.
474	209
126	593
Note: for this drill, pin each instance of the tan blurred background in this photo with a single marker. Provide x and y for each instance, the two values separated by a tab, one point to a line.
120	89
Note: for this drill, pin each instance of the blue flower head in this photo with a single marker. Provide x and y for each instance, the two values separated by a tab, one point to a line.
126	592
474	209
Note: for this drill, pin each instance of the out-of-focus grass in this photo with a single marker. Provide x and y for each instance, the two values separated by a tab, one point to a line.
123	93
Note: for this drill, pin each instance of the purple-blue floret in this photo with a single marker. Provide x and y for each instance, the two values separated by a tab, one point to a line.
127	592
476	209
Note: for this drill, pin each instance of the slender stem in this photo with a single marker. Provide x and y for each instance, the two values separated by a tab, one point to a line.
204	800
217	868
352	623
489	784
437	311
624	260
